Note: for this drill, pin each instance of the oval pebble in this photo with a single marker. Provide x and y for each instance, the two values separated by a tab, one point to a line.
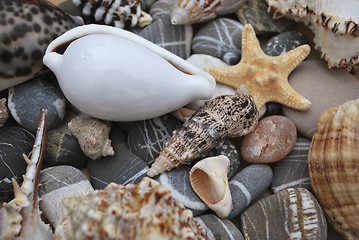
248	185
284	42
272	139
161	8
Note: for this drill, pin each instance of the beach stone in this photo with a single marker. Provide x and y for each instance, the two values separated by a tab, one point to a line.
292	213
26	99
60	182
273	108
254	12
174	38
161	8
122	168
323	87
284	42
146	4
218	229
292	171
272	139
177	181
146	138
220	38
15	141
248	185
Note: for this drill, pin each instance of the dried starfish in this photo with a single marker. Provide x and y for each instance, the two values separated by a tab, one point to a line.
265	77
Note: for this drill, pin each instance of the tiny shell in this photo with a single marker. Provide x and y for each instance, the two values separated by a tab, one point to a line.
209	180
4	112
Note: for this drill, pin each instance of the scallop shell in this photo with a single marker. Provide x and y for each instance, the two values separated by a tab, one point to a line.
221	117
194	11
333	164
143	211
92	135
209	180
334	23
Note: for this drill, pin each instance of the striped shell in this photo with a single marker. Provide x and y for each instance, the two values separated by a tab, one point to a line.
333	166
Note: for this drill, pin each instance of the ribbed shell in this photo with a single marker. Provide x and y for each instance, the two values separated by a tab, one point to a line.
333	166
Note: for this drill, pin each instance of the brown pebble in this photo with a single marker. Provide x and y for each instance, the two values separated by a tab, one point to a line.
273	138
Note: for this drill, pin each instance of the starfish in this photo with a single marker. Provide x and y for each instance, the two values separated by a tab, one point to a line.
265	77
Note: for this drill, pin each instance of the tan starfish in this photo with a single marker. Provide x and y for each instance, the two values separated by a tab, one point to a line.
265	77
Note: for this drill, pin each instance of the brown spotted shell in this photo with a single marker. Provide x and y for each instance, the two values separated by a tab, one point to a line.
333	166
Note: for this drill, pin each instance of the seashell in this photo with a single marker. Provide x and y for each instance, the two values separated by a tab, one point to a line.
4	112
209	180
143	211
194	11
149	83
27	27
333	162
221	117
92	135
335	27
114	12
20	218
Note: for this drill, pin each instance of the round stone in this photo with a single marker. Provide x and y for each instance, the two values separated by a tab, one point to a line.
272	139
284	42
323	87
161	8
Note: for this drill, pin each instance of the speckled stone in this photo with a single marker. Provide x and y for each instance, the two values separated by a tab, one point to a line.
161	8
323	87
220	38
218	229
284	42
57	183
146	138
14	141
123	167
174	38
255	13
26	99
292	170
247	185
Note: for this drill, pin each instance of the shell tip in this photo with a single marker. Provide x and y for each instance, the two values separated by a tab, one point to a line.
179	16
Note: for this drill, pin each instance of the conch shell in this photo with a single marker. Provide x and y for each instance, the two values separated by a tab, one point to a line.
221	117
209	180
334	23
333	166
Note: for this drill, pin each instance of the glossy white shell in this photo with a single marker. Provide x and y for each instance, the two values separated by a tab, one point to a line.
112	74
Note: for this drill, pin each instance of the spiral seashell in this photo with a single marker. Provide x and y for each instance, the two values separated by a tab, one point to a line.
92	135
333	164
209	180
222	117
143	211
194	11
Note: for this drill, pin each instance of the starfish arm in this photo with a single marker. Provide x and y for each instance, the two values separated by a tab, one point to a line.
226	75
293	58
250	44
292	99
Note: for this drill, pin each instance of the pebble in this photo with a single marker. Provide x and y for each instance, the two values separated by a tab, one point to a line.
255	13
14	141
284	42
218	229
161	8
293	213
123	167
272	139
177	181
292	170
220	38
323	87
146	4
57	183
248	185
26	99
174	38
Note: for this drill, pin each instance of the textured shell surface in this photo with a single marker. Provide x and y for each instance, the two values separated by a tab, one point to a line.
220	118
333	163
27	27
143	211
113	74
335	27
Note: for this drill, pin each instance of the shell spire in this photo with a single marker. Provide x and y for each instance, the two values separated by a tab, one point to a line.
222	117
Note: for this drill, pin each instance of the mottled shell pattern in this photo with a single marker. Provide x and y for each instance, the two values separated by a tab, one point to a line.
27	27
118	13
334	23
220	118
143	211
193	11
333	166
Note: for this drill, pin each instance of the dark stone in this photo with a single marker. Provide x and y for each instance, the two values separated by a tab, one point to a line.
284	42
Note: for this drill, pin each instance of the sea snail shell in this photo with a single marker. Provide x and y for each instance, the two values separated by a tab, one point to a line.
112	74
